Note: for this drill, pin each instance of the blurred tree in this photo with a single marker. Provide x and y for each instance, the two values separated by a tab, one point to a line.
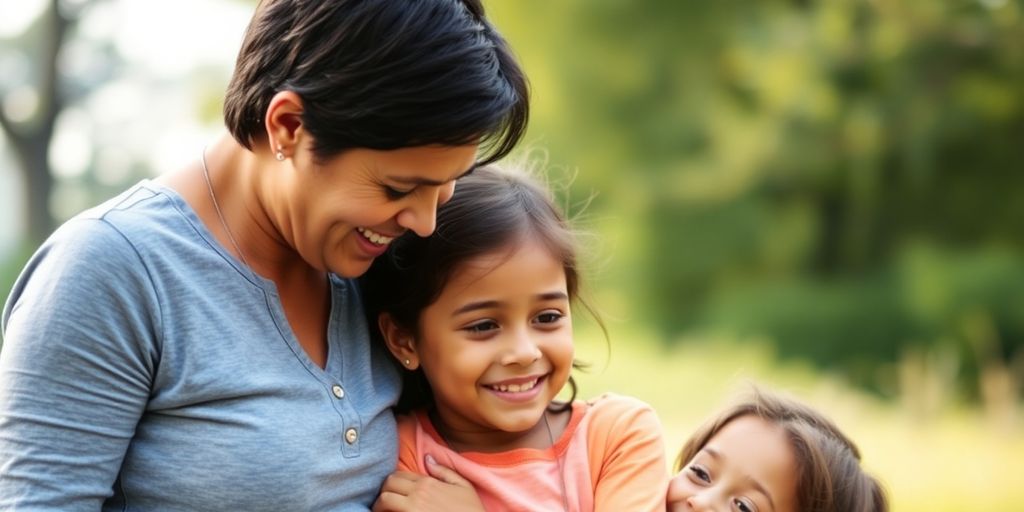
838	175
30	134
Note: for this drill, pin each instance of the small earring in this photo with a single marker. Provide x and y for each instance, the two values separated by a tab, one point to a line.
407	362
280	154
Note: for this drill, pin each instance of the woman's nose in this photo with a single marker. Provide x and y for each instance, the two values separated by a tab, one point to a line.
421	216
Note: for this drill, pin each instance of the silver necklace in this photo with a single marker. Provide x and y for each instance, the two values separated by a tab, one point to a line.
551	444
220	215
558	461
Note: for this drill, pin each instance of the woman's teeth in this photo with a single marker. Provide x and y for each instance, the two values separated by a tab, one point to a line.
515	388
375	237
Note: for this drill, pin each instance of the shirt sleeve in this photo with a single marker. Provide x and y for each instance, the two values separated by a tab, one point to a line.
80	348
408	458
629	470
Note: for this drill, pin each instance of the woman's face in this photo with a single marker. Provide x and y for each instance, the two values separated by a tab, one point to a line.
342	213
748	466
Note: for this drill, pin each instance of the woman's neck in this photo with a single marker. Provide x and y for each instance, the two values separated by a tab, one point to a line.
235	206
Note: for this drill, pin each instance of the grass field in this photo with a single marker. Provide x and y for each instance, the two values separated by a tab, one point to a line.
955	461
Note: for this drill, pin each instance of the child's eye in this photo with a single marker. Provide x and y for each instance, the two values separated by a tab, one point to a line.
743	506
481	327
394	193
700	473
549	317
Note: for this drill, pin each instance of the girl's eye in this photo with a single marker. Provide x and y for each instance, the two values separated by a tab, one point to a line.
549	317
394	193
700	473
743	506
481	327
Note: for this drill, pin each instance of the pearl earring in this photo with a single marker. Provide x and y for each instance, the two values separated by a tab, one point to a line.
407	362
280	154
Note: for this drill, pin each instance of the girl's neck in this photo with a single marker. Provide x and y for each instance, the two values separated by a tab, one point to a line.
543	435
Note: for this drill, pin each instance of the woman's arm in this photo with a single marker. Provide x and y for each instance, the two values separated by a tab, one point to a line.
75	369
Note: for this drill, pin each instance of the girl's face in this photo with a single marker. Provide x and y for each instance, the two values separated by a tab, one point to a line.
496	345
341	214
748	466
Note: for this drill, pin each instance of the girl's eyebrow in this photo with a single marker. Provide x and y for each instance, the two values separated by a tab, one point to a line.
485	304
715	454
472	306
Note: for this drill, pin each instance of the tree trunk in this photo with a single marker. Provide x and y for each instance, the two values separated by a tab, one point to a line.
31	138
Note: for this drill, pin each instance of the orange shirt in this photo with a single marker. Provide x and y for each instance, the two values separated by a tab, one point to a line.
612	451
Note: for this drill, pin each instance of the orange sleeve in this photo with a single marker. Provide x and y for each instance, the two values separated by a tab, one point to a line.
408	458
628	465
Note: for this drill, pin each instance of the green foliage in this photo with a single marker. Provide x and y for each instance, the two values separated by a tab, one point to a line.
840	176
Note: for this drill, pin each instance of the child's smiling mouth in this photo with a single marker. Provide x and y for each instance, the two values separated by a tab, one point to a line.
520	388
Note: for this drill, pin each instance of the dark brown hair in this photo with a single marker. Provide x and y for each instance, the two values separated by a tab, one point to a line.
829	476
381	74
491	210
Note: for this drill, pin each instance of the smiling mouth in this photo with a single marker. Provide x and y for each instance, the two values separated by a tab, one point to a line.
375	237
518	387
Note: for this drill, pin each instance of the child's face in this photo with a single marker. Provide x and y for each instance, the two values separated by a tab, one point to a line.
748	466
496	345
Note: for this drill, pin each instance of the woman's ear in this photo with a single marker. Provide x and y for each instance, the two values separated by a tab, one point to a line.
284	123
399	341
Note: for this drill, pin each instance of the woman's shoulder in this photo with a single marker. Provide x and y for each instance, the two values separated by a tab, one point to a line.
141	212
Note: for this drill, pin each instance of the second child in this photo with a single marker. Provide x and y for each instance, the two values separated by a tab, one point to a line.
772	454
479	317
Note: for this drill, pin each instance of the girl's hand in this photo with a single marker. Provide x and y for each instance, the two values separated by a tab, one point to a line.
443	491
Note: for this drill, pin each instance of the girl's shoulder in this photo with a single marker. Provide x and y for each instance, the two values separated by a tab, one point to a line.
611	405
611	419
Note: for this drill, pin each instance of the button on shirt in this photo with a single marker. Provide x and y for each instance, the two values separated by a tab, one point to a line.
138	351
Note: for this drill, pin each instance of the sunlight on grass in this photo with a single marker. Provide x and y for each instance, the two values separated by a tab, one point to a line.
955	462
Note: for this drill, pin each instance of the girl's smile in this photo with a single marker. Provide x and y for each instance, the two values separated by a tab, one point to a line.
517	390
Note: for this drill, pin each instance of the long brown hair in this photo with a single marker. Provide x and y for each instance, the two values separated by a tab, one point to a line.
493	208
829	475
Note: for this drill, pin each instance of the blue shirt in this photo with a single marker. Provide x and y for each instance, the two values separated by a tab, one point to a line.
144	368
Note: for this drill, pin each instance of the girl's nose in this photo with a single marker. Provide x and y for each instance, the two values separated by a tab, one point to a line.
522	350
699	502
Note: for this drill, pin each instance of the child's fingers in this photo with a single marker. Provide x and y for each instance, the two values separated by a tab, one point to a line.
400	482
445	474
391	502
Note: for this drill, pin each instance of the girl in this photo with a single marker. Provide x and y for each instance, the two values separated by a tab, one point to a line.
770	454
479	317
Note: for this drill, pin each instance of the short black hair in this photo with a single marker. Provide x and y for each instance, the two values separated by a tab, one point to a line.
381	74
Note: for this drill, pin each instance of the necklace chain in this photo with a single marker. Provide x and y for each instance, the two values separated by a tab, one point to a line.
441	428
558	461
220	215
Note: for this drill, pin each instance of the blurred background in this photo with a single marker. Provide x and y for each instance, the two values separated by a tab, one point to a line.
820	197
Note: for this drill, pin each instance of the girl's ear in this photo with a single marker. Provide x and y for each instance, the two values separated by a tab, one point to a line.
400	342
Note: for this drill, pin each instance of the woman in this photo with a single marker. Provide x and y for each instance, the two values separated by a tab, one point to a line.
198	342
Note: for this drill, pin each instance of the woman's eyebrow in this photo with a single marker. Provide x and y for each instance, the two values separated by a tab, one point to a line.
418	180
